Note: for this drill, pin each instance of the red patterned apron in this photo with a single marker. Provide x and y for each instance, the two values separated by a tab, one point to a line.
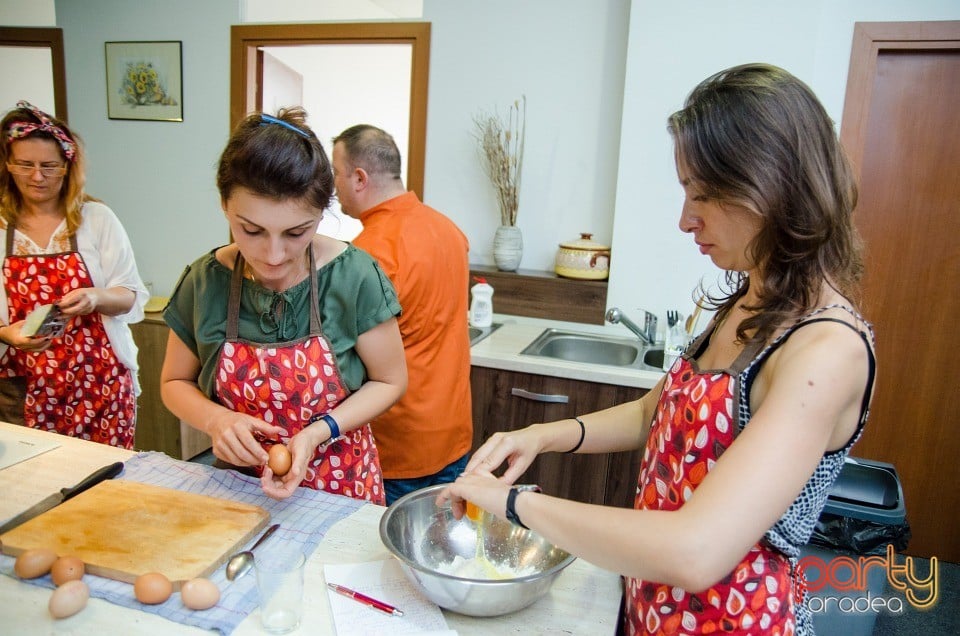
77	386
289	384
694	423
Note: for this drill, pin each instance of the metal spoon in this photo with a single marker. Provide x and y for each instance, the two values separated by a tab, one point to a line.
240	562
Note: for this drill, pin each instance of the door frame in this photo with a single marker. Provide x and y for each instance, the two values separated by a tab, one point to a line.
246	39
869	39
52	39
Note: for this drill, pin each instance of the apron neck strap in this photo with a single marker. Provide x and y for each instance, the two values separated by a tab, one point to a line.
236	287
12	228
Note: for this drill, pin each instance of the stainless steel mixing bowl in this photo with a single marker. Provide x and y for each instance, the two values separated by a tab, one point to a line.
426	539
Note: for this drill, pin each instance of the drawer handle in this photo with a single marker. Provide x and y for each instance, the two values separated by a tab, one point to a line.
539	397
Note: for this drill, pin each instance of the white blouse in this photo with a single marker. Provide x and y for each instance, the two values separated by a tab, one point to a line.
108	255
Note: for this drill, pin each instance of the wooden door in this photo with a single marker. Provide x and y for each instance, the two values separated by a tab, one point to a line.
902	129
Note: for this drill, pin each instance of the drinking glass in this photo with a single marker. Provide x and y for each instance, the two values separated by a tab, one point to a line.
280	588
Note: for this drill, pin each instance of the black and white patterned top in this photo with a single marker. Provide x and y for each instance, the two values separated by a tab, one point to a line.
793	530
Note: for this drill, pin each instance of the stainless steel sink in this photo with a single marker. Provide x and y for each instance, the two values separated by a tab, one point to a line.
595	349
653	358
479	333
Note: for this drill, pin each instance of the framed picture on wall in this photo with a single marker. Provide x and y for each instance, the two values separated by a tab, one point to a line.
144	80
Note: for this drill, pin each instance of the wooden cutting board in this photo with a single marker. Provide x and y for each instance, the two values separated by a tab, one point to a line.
122	529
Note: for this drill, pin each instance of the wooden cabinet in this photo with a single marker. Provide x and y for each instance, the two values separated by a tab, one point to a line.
157	428
508	400
540	294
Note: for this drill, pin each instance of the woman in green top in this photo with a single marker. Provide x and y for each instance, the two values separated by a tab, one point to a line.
285	335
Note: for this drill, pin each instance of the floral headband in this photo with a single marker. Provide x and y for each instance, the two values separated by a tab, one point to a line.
21	129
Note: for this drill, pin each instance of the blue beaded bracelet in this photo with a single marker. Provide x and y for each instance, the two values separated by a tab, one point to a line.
334	427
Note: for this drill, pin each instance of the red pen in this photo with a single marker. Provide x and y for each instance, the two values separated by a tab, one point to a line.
366	600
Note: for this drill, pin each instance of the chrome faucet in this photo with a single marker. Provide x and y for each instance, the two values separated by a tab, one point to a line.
647	335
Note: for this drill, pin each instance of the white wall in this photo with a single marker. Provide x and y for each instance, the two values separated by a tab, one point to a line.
36	13
157	176
567	56
317	10
672	47
15	84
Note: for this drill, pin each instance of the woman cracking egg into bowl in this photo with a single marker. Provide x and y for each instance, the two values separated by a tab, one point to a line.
744	436
285	335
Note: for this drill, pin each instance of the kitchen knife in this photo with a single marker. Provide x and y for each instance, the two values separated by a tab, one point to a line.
57	498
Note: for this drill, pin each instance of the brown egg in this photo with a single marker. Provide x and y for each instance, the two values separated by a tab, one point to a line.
280	460
152	588
199	594
68	568
34	563
68	599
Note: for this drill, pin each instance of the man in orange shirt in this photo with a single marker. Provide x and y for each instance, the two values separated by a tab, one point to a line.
424	439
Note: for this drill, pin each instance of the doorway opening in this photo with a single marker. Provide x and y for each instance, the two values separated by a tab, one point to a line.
342	74
34	48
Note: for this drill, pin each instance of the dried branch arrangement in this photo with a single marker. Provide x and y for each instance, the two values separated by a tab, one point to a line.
501	153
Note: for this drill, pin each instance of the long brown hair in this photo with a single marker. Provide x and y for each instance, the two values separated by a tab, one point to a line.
757	137
72	195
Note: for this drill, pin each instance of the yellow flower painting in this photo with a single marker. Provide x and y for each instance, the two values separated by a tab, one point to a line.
143	86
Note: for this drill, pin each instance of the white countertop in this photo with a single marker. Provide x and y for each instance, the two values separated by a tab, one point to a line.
501	350
584	599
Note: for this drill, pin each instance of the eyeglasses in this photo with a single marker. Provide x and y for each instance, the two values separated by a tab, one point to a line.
27	169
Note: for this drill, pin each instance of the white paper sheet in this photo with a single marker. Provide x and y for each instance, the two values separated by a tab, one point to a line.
384	581
15	448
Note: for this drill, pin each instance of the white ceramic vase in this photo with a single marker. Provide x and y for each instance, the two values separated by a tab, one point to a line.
507	248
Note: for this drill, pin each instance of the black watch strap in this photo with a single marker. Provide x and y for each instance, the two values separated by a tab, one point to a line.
512	516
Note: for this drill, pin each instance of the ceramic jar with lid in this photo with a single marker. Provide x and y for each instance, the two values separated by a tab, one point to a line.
583	258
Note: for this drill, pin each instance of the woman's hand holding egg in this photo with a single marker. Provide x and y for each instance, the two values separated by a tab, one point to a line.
301	447
236	438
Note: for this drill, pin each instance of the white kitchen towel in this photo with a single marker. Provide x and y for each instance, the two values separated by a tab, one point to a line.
304	519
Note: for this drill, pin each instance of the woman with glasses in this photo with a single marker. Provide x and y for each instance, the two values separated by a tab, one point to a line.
63	248
285	336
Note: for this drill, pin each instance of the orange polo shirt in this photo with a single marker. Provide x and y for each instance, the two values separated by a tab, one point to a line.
425	255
